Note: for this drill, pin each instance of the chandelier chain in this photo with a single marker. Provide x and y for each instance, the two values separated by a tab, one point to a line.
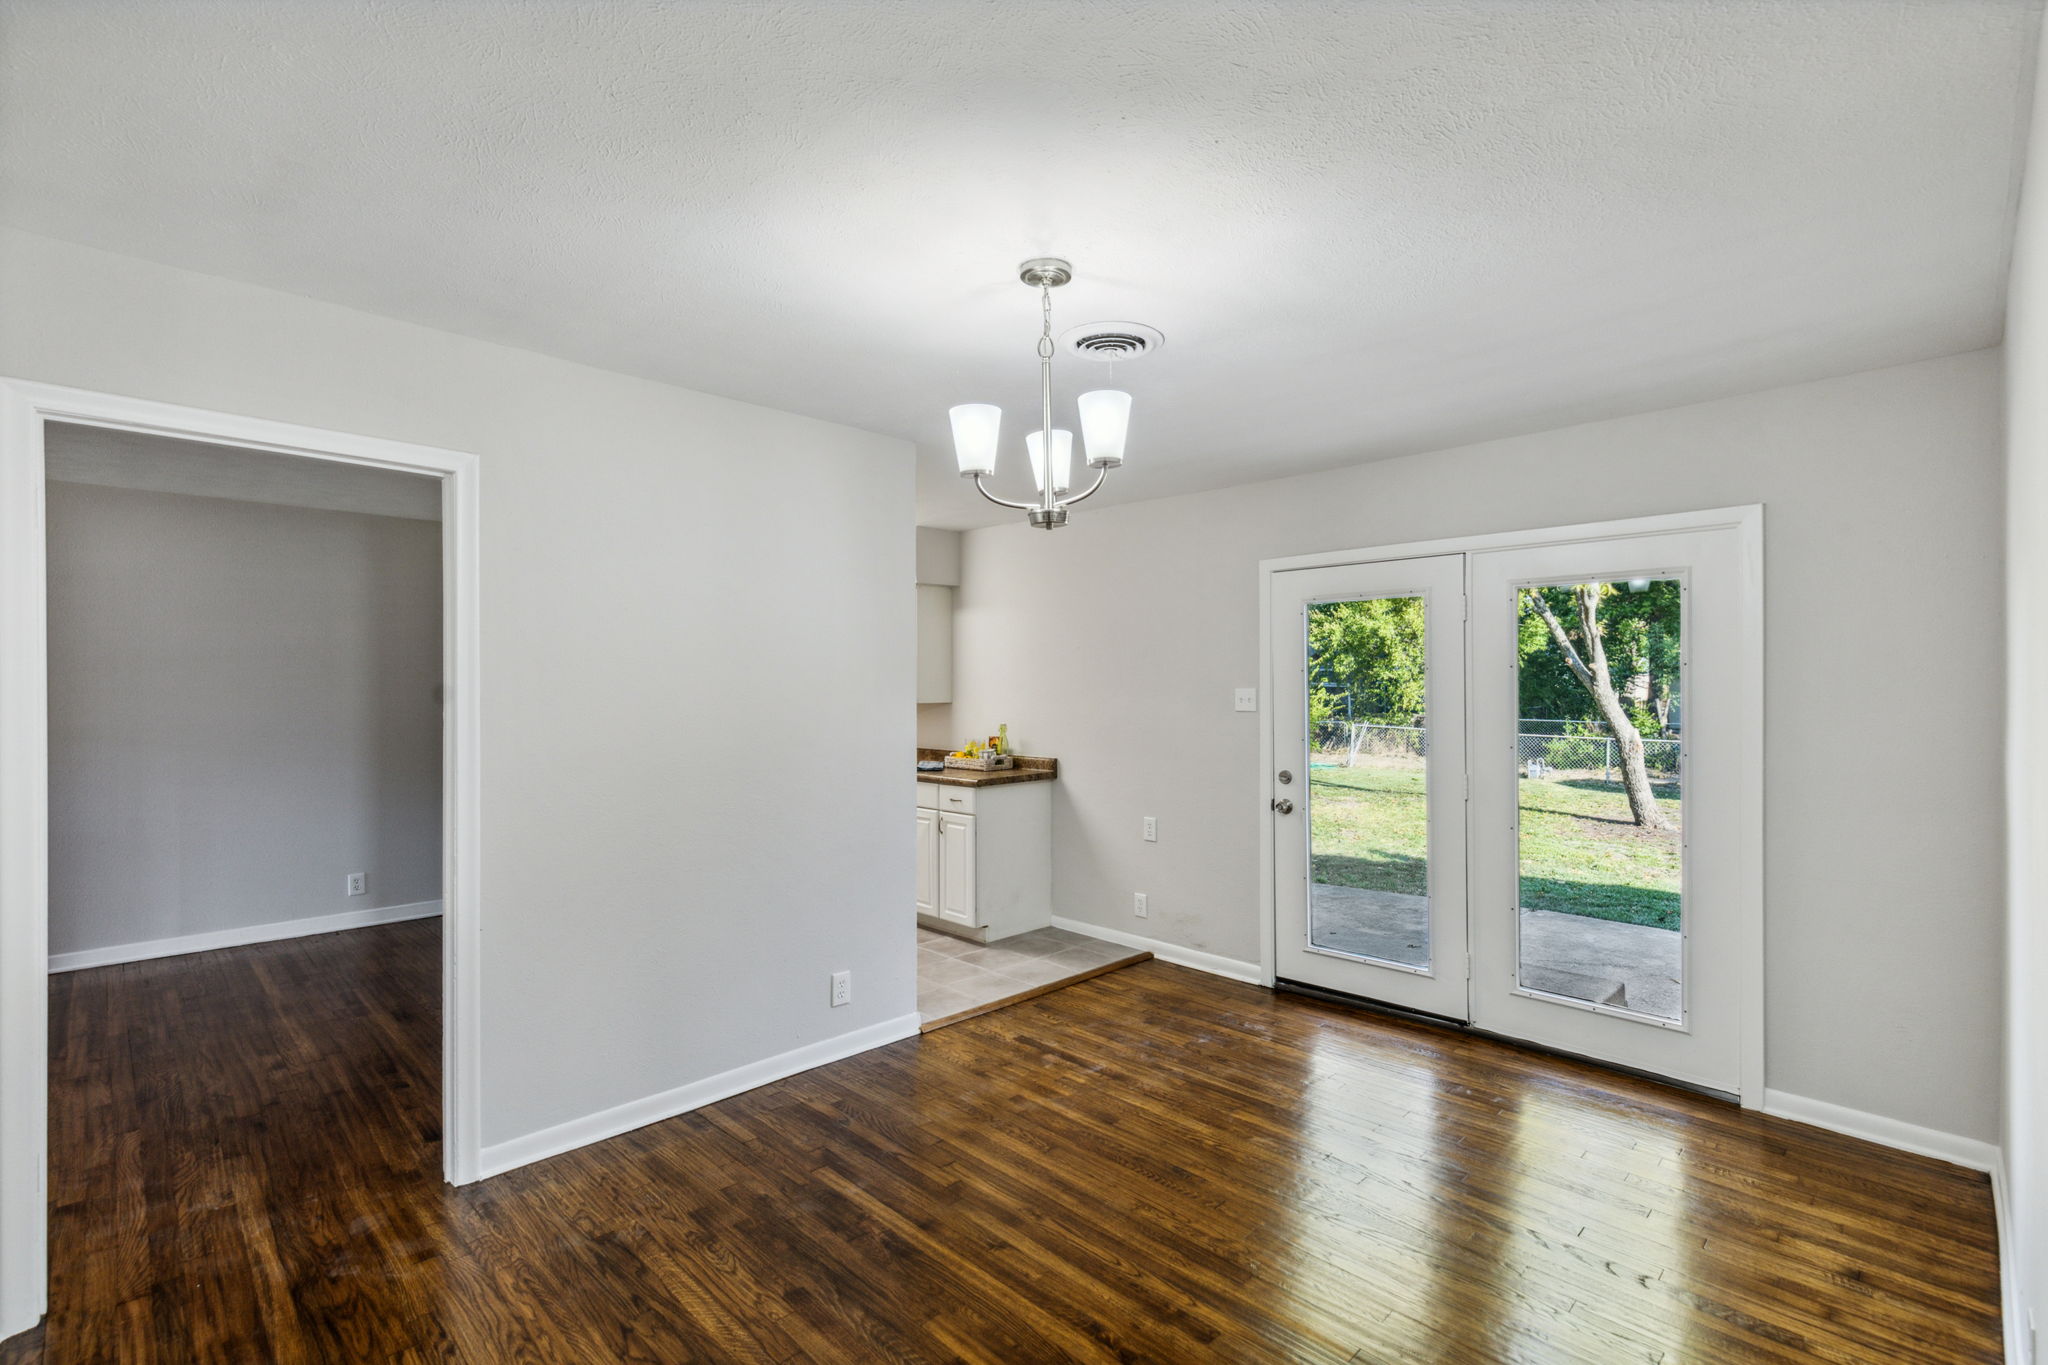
1045	309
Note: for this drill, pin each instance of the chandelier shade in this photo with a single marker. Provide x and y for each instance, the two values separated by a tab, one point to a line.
975	429
1062	459
1105	421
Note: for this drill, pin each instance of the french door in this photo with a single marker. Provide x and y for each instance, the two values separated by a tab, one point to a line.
1515	787
1375	905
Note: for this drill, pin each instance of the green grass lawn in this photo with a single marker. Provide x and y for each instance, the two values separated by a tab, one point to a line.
1581	853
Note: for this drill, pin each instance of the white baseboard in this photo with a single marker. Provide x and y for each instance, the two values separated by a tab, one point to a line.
563	1137
235	938
1166	952
1907	1137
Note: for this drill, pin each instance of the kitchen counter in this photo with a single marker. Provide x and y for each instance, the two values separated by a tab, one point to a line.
1028	769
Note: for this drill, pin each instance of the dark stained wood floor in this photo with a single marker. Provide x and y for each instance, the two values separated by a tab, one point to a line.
1154	1165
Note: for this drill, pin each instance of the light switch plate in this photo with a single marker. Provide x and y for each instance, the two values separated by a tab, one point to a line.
1247	698
1151	829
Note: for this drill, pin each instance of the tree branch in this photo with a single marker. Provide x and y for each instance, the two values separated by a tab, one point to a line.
1588	595
1563	641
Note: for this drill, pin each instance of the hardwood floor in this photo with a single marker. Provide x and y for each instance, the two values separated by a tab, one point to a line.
1153	1165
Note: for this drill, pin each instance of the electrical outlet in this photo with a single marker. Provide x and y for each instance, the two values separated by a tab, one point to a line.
842	989
358	883
1151	829
1138	906
1247	698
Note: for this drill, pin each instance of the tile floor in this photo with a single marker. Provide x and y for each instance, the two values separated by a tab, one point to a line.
954	974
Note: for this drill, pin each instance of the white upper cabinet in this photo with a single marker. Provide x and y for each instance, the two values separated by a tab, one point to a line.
934	643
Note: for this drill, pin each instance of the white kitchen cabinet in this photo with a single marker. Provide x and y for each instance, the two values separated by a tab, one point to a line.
927	862
934	643
956	870
984	868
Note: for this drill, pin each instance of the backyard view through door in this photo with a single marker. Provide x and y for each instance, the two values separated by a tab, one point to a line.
1598	781
1586	668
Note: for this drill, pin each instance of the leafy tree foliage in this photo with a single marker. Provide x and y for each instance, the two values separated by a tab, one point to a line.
1640	633
1585	652
1366	661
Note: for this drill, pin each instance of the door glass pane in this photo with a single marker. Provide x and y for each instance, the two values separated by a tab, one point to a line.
1597	754
1368	786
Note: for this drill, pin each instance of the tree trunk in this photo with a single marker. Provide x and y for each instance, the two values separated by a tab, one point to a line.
1593	674
1660	703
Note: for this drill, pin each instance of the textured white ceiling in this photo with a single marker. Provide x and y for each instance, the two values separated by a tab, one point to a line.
1365	228
164	464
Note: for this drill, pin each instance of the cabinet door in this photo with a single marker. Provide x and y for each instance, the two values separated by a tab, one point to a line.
934	643
927	862
956	869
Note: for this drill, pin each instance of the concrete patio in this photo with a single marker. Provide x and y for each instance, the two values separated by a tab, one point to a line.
1631	966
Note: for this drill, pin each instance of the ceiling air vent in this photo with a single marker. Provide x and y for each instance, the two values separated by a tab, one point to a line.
1111	340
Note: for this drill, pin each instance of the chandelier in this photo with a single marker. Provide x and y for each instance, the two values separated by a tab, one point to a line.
1105	418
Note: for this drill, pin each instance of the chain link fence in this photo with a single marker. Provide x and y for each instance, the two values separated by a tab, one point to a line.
1537	754
1542	754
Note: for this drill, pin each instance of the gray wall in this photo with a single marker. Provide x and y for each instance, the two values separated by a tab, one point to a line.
242	712
1883	618
669	875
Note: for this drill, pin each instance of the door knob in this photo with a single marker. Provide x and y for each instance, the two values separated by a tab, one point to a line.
1284	806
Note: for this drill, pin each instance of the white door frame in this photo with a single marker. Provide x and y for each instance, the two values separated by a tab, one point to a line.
1748	522
24	785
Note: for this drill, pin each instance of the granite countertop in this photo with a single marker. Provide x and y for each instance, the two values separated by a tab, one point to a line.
1028	769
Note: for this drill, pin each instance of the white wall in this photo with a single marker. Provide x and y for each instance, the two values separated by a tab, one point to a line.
1884	684
242	712
2026	1042
663	572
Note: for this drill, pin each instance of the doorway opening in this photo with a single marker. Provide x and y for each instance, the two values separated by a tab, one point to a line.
217	787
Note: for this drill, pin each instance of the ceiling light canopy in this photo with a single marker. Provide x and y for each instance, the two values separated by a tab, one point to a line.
1105	422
